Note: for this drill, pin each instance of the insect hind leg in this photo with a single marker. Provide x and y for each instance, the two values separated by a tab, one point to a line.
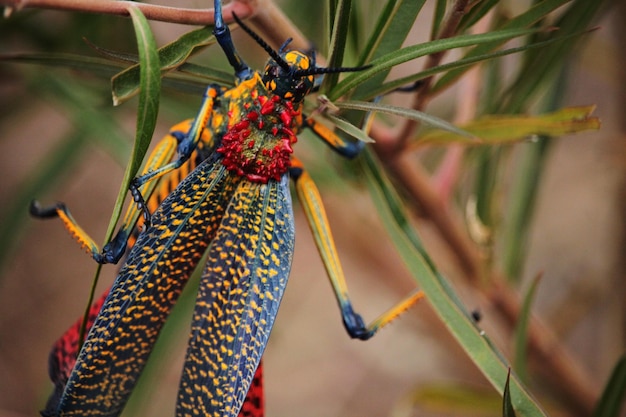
316	217
112	252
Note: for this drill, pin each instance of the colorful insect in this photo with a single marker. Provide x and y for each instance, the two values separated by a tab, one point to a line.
236	207
65	350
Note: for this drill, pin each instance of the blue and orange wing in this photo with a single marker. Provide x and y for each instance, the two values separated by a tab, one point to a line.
144	292
240	291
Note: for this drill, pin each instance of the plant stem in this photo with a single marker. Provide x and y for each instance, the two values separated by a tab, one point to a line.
151	11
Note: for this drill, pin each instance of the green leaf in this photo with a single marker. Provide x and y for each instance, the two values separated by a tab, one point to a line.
612	399
171	56
209	74
115	56
390	60
525	20
149	94
406	113
476	13
542	66
520	359
513	128
338	39
464	64
349	128
188	77
438	16
392	27
507	404
98	66
438	292
150	90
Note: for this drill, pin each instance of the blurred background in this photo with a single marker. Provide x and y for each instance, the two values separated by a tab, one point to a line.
312	368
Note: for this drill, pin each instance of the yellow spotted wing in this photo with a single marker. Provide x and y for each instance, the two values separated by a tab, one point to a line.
240	291
145	290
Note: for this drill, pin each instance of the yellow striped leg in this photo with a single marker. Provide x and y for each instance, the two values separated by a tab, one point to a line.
316	216
162	154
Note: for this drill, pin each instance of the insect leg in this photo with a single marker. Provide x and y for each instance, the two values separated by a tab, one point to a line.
316	216
224	38
112	251
187	143
344	147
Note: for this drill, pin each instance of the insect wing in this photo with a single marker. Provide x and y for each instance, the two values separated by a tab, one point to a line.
144	292
240	291
254	404
63	357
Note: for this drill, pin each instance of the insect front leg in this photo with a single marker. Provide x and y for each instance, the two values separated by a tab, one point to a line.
187	142
114	250
316	216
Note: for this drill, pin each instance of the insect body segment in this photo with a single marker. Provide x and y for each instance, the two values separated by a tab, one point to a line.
259	145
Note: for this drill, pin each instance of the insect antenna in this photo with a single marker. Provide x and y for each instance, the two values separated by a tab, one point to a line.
329	70
275	55
272	53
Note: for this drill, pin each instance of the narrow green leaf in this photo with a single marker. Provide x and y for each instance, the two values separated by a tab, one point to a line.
149	94
188	77
542	66
614	394
406	113
171	56
338	41
525	20
507	404
520	359
98	66
394	24
440	13
409	53
438	292
115	56
209	75
476	13
150	90
513	128
349	128
464	64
